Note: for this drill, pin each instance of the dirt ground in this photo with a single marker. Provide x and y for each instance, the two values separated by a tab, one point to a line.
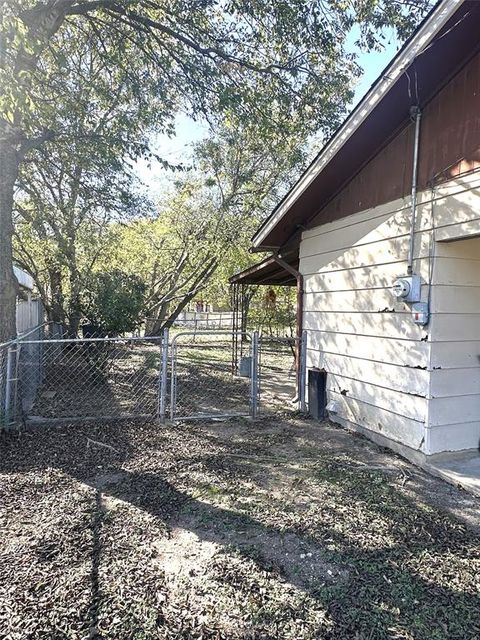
281	528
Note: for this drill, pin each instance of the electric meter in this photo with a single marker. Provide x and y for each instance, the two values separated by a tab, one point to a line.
407	288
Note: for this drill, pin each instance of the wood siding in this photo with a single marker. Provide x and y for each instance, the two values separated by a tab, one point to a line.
454	411
449	146
383	370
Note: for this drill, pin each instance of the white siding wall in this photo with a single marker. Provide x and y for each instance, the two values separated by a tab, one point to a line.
29	314
454	408
382	367
454	416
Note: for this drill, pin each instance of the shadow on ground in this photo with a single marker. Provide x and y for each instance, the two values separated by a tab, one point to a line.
276	530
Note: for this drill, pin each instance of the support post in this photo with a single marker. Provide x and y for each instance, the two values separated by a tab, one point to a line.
162	389
8	385
302	374
235	328
254	377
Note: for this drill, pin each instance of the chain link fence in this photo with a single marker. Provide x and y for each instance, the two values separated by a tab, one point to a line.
282	372
25	350
5	381
92	378
191	376
205	384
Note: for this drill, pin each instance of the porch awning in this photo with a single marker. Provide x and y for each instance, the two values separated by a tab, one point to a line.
268	272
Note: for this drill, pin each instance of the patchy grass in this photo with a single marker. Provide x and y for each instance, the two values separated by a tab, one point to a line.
280	529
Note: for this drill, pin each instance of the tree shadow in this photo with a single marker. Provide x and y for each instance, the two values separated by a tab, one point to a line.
376	590
97	517
342	579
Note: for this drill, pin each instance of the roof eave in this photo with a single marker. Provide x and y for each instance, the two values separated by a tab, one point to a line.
425	34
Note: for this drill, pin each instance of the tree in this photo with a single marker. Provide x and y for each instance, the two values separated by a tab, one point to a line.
267	60
70	192
113	302
204	227
245	172
174	253
273	311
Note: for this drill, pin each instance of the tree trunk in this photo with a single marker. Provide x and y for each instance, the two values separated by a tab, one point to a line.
75	305
159	322
74	317
8	285
57	313
164	322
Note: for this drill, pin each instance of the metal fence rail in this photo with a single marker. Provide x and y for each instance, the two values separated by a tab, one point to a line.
203	384
205	320
189	377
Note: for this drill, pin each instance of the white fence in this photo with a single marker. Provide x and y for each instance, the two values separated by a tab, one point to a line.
205	320
30	314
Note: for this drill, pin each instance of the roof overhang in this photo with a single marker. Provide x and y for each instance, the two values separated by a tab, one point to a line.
24	279
377	117
269	272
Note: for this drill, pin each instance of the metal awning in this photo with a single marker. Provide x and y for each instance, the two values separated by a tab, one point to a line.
268	272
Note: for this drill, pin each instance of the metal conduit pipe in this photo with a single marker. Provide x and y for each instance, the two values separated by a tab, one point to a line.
416	115
299	315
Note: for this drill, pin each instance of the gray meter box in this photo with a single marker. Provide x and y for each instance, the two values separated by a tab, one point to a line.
407	288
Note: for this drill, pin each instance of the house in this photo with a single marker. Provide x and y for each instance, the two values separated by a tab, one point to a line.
381	235
29	310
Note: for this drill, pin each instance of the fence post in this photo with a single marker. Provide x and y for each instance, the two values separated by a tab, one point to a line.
8	386
254	376
16	378
302	374
162	381
173	379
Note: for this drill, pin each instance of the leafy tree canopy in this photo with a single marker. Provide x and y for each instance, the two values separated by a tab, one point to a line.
113	301
278	69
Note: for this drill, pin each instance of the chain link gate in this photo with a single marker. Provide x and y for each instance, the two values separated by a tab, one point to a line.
282	372
88	379
203	383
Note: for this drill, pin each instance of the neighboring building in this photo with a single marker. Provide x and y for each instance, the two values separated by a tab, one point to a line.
24	279
29	312
347	225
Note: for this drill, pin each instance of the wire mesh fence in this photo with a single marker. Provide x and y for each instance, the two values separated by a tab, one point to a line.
28	357
282	372
12	355
84	379
204	383
192	376
5	375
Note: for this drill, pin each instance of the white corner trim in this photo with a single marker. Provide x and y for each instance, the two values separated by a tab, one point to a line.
374	96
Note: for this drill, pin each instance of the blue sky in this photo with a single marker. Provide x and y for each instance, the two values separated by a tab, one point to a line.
178	149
